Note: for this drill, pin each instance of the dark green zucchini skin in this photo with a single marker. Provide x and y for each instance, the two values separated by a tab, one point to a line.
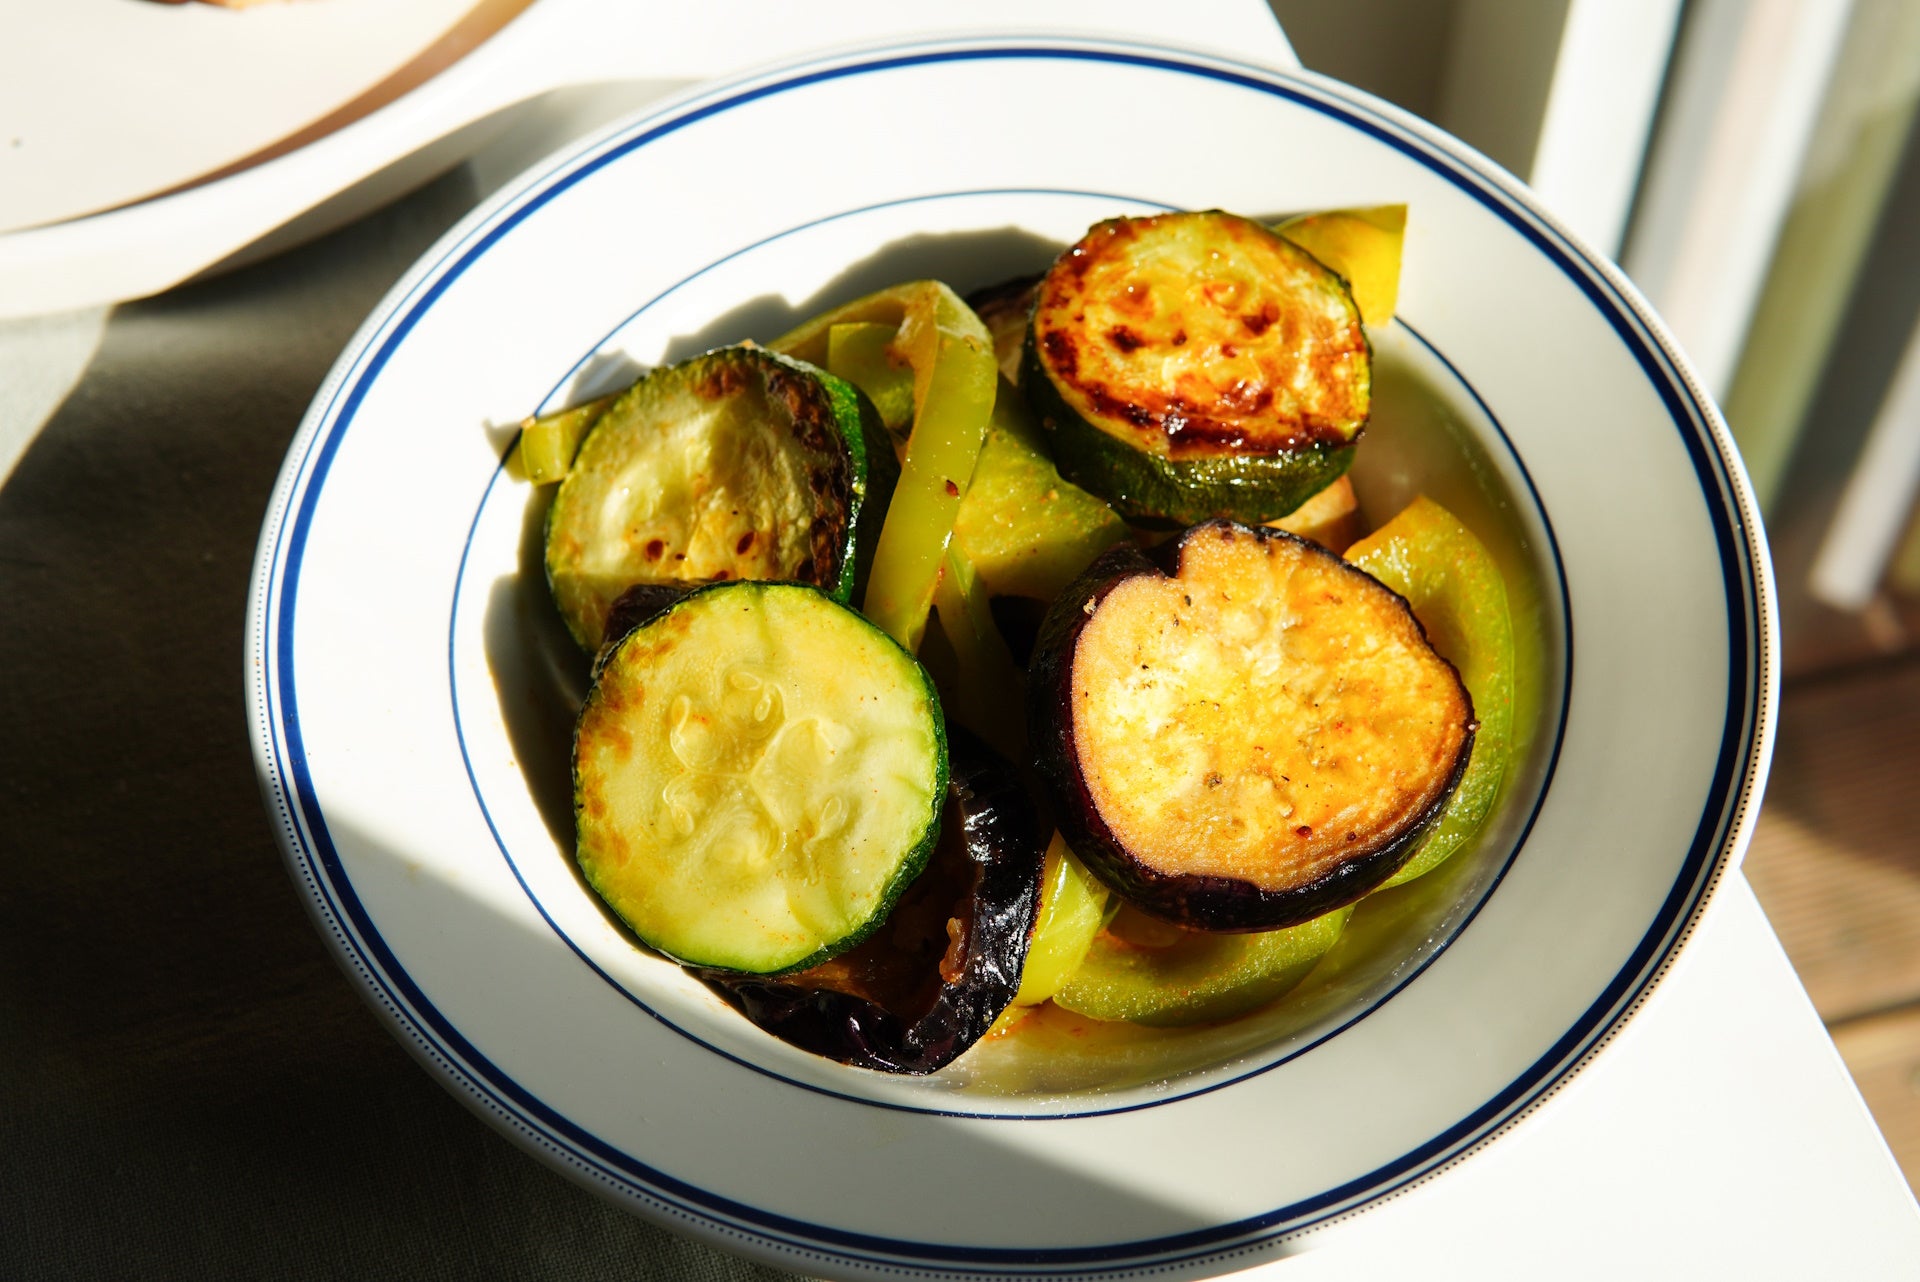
875	470
1165	493
829	417
985	873
1194	901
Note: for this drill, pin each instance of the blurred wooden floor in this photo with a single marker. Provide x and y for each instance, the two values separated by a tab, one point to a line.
1835	862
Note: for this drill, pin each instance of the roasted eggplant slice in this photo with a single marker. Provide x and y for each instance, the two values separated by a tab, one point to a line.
739	464
930	982
758	776
1192	365
1243	732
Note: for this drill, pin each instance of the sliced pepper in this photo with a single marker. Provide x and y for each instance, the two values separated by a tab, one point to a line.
1448	576
954	377
1145	971
862	353
991	696
1073	907
549	442
1363	246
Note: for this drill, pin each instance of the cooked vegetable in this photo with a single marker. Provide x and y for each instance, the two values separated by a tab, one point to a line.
548	443
1455	589
1026	531
1243	732
1148	972
1330	518
758	775
1194	365
948	960
989	688
739	464
1005	310
863	354
951	355
1363	246
1073	907
1238	732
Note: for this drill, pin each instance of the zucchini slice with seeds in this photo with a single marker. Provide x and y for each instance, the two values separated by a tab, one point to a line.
758	775
1193	365
1244	732
928	984
739	464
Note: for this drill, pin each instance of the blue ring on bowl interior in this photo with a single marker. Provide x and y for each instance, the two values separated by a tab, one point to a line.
311	850
1109	201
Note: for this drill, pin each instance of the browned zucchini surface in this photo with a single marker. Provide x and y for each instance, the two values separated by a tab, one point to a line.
1201	335
1246	731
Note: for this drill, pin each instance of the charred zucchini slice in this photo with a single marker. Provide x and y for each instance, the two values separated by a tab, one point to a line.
739	464
758	774
1192	365
1245	732
948	960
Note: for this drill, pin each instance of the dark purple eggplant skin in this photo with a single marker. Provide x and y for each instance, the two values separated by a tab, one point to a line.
637	605
1224	905
986	873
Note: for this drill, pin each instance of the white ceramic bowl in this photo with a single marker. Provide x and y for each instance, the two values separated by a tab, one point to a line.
411	704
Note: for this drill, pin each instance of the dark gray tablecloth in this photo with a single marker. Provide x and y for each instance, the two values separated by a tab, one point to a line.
188	1086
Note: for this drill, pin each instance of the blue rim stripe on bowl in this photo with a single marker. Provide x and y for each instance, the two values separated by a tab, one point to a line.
308	840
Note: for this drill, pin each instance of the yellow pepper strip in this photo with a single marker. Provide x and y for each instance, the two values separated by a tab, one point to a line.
1450	579
549	442
1073	907
1363	246
954	377
862	353
991	694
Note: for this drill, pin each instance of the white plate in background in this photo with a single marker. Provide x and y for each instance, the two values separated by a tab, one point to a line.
143	144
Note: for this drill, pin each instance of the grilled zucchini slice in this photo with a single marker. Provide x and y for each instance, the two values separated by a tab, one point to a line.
1193	365
1244	732
739	464
758	775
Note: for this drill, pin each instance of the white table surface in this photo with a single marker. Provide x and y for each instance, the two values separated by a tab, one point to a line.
1719	1136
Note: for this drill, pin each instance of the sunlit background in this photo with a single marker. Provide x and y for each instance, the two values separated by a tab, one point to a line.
1754	166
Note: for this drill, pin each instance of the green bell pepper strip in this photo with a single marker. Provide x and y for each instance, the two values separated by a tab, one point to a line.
991	697
1450	579
544	453
954	379
862	353
1073	908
